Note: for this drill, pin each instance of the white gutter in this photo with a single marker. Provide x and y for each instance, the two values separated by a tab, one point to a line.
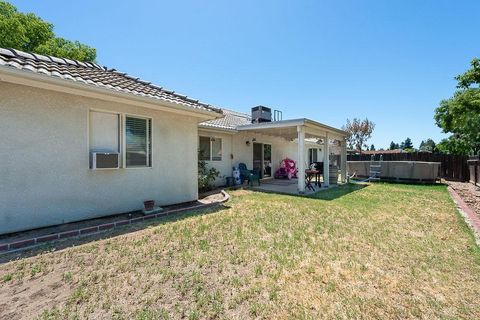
17	76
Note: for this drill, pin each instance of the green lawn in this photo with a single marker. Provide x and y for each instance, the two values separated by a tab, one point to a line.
383	251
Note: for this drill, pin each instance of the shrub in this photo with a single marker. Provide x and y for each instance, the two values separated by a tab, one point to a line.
206	175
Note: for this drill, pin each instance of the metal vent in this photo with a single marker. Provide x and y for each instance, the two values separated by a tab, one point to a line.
261	114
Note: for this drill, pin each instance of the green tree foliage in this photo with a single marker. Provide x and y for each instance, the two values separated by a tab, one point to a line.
427	146
460	115
27	32
453	145
470	77
394	146
407	144
359	131
372	147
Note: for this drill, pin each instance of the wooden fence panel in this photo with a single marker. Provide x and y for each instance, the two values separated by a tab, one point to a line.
453	167
474	168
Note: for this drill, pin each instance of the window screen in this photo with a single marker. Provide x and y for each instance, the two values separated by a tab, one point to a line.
104	131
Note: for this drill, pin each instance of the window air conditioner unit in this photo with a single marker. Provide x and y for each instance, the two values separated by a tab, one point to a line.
104	160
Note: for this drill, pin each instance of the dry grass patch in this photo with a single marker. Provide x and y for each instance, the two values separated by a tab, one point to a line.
396	251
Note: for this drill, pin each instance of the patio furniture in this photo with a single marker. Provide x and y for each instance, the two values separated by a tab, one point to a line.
319	167
309	174
288	169
249	175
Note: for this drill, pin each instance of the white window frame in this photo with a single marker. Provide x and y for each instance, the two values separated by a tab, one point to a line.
149	120
211	139
122	136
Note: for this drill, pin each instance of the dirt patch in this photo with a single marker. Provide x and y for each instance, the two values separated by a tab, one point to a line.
469	193
26	297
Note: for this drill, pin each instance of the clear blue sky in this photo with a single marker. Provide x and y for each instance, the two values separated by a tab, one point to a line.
390	61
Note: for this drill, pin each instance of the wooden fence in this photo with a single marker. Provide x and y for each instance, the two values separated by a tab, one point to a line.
453	167
474	167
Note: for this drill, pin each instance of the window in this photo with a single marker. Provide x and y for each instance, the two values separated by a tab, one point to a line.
210	149
138	142
204	153
104	132
216	149
312	155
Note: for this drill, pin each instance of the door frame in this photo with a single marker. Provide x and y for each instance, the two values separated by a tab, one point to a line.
263	158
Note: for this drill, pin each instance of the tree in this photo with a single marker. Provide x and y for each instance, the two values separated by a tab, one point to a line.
393	146
359	131
427	146
460	114
27	32
408	144
372	147
452	145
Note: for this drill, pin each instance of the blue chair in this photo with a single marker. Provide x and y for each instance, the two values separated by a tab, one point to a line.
249	175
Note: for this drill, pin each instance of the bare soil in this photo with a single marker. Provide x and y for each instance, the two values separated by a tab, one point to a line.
469	193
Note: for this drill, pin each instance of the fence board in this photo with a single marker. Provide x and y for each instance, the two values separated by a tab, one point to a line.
453	167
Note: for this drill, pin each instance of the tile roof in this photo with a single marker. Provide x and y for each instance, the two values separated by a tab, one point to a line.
231	120
94	75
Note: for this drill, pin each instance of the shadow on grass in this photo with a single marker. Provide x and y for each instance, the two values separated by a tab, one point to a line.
331	193
72	242
337	192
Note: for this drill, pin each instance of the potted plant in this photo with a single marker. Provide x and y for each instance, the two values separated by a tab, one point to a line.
149	205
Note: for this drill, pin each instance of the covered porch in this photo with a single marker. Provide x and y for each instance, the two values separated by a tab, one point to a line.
300	131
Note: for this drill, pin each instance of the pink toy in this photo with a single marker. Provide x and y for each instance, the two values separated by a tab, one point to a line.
288	169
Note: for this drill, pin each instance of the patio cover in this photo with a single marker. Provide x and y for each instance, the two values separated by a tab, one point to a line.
302	129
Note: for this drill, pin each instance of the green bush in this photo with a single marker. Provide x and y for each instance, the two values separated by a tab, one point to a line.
206	175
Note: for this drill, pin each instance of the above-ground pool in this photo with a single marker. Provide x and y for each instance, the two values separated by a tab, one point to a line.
413	171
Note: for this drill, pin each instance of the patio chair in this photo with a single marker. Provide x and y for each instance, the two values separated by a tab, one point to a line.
249	175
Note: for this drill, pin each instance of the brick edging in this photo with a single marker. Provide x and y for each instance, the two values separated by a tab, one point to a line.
472	219
87	231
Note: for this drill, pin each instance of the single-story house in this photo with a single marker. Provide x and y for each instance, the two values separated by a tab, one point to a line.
81	141
262	143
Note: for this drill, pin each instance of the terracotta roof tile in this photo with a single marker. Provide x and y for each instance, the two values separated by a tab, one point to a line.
94	75
231	120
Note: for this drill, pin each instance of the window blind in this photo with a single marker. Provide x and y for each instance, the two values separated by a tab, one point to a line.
137	142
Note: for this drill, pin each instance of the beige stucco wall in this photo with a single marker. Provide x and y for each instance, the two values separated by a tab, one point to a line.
44	171
234	146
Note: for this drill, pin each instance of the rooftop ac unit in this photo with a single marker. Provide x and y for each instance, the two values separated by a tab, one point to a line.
104	160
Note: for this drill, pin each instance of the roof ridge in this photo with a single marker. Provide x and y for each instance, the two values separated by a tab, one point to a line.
48	58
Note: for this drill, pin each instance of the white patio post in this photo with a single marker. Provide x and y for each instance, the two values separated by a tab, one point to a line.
326	161
301	159
343	159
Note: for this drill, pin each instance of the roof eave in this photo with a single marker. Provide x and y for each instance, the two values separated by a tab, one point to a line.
314	125
217	129
13	75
